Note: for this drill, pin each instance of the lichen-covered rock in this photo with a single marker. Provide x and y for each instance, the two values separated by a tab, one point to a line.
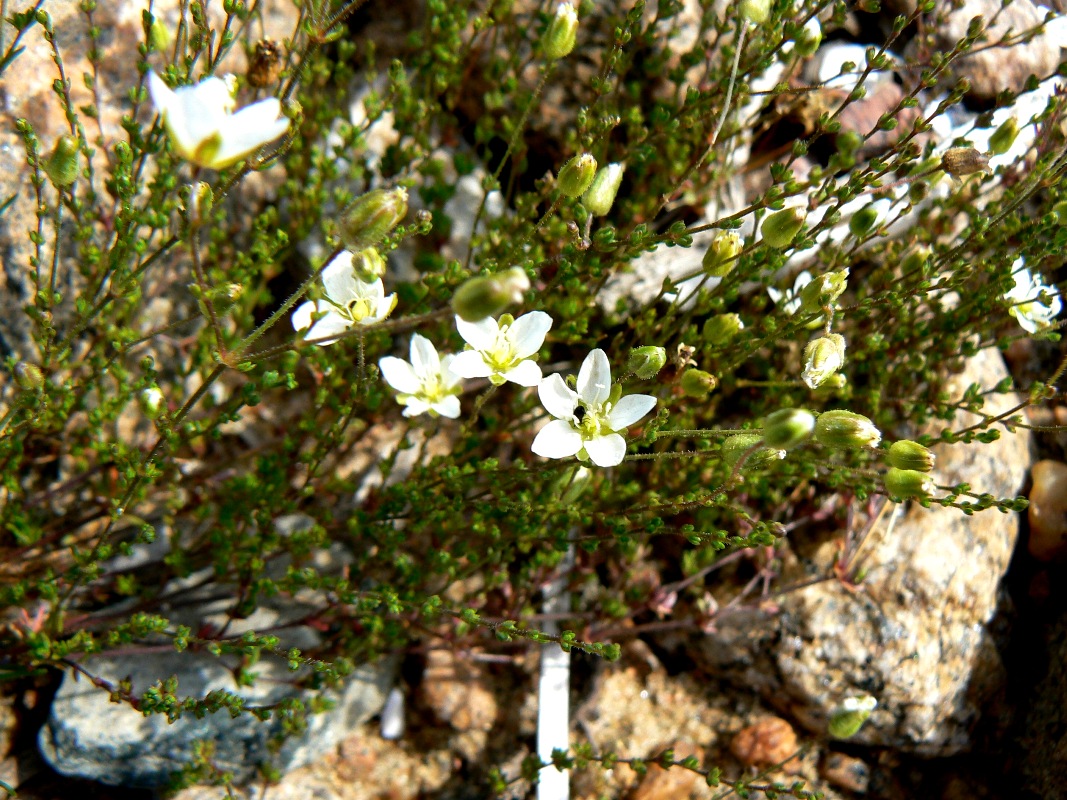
914	634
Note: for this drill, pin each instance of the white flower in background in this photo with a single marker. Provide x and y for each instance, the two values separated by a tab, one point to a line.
1027	306
789	300
427	384
501	350
203	127
587	422
349	301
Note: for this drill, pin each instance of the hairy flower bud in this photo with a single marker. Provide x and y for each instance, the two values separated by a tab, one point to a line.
159	35
822	358
600	196
722	253
808	38
905	483
916	260
863	221
1004	137
488	295
781	228
151	401
368	264
370	217
849	717
698	384
756	12
62	165
577	175
646	362
722	328
843	429
907	454
736	446
823	291
561	33
788	428
960	161
28	377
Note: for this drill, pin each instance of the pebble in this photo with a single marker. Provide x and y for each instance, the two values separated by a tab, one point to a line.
768	742
1048	510
846	772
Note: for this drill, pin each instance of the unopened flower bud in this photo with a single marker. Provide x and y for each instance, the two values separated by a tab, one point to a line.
808	38
781	228
698	384
843	429
151	400
722	328
848	142
736	446
788	428
28	377
823	290
571	486
822	358
849	717
905	483
756	12
915	261
200	202
722	253
960	161
62	165
1060	210
561	33
1004	137
919	190
577	175
159	35
488	295
600	195
368	264
223	297
646	362
907	454
863	221
370	217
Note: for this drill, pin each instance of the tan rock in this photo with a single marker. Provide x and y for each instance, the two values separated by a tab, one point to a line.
768	742
1048	510
455	690
846	772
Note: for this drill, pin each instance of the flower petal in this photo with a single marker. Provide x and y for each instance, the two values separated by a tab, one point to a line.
413	406
557	440
594	378
447	407
629	410
239	142
203	108
527	333
399	374
480	335
526	373
332	323
606	451
470	364
557	397
302	316
424	358
449	377
339	280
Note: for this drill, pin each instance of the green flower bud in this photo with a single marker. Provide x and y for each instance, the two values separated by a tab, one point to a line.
904	483
28	377
722	253
61	166
561	33
788	428
1060	210
960	161
571	486
1004	137
756	12
734	447
781	228
646	362
151	401
850	716
488	295
848	143
577	175
223	297
159	35
600	195
863	221
698	384
907	454
822	358
843	429
919	190
916	260
722	328
808	38
369	265
369	218
201	200
823	291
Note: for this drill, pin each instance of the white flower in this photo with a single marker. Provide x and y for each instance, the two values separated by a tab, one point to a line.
203	127
822	358
502	350
426	384
586	422
349	301
789	300
1032	312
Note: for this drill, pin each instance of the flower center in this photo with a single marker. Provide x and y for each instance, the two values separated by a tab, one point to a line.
591	421
501	357
359	309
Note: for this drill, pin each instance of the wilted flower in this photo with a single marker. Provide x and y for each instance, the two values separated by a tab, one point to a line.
349	301
789	300
501	350
1027	306
822	358
427	384
203	127
587	422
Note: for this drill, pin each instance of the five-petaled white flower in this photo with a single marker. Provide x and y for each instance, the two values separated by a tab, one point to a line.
789	300
1027	305
427	383
349	301
587	422
502	349
203	127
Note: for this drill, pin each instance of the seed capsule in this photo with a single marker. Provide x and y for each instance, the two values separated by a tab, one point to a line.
788	428
577	175
370	217
845	429
907	454
781	228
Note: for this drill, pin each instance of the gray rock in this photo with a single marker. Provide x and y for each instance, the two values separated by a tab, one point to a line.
914	635
88	736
